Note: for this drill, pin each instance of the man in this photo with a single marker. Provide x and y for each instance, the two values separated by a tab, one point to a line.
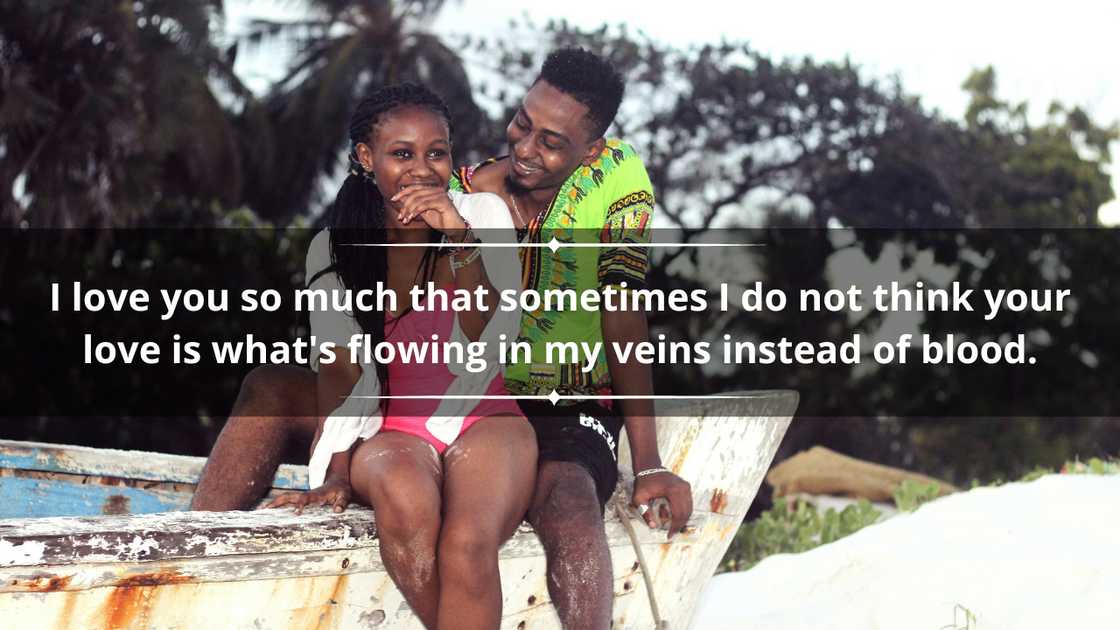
562	180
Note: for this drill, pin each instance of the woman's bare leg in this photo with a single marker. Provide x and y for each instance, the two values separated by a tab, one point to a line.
399	476
489	475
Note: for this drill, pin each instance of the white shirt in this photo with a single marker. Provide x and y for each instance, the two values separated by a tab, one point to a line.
360	417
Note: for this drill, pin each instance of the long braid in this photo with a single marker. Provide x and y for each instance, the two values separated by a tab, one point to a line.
358	212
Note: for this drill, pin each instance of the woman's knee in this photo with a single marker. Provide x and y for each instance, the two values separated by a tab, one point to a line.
403	507
468	546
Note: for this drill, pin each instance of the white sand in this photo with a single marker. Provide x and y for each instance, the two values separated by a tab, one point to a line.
1044	554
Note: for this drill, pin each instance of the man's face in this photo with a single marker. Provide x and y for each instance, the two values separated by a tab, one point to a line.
549	137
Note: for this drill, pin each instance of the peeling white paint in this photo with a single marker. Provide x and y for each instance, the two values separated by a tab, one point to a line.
140	547
30	552
99	542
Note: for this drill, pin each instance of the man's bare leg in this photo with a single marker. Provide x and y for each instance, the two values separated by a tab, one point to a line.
565	514
276	405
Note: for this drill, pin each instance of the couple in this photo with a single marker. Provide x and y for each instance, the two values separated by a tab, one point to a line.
450	479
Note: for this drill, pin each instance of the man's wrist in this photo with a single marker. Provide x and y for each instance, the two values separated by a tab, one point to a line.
645	461
641	428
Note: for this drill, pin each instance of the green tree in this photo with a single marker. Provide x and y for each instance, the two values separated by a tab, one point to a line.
343	50
1045	181
110	109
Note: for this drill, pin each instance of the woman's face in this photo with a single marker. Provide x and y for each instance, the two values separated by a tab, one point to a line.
408	147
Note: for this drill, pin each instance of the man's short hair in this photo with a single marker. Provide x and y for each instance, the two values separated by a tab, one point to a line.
588	78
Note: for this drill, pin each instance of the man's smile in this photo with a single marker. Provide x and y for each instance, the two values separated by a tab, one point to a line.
522	168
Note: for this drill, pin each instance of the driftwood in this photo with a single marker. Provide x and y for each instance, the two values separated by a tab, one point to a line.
822	471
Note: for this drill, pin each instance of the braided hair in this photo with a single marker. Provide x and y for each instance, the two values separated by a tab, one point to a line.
358	213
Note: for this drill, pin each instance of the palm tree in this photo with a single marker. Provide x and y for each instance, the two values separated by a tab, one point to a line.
343	49
111	111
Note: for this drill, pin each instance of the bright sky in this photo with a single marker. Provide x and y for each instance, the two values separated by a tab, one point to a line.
1042	51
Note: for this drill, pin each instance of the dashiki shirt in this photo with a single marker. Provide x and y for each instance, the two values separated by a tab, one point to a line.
610	201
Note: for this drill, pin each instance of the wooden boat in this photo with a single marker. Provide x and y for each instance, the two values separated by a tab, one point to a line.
93	538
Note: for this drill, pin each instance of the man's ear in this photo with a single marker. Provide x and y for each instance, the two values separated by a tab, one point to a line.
594	150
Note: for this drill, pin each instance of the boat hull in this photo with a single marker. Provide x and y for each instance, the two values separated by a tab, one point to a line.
274	569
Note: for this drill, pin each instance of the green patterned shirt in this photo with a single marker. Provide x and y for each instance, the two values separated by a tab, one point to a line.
610	201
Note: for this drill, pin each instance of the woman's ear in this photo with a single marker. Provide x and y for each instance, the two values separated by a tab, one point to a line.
365	156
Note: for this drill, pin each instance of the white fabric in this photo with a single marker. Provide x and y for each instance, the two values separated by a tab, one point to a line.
360	418
1024	556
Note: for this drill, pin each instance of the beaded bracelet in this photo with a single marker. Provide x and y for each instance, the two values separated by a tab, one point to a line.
469	240
455	266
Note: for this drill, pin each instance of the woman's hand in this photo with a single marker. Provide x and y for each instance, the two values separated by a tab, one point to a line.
333	492
433	206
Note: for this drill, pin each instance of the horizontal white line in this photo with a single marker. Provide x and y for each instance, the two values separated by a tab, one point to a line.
566	397
558	245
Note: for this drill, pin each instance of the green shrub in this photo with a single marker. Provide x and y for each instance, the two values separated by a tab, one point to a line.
910	494
1038	472
1095	466
793	528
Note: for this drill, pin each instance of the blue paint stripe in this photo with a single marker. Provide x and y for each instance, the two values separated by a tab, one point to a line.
291	478
22	497
51	458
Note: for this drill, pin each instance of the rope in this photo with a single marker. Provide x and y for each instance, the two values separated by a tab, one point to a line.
659	623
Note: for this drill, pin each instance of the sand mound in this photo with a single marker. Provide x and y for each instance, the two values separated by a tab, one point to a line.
1043	554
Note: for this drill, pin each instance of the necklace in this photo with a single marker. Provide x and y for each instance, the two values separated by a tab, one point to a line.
524	231
520	217
521	232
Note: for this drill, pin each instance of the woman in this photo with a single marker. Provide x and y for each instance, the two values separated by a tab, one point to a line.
449	478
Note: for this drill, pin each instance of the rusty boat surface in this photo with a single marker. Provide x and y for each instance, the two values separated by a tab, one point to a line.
97	538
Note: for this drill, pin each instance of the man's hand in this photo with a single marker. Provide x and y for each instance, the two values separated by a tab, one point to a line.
676	507
333	492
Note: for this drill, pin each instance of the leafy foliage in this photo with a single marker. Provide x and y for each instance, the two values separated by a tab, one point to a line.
343	50
910	494
793	528
1094	466
111	112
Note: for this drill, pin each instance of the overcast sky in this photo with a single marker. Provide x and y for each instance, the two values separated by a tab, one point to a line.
1064	51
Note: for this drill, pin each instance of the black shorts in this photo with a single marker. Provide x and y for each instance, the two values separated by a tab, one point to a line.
585	433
